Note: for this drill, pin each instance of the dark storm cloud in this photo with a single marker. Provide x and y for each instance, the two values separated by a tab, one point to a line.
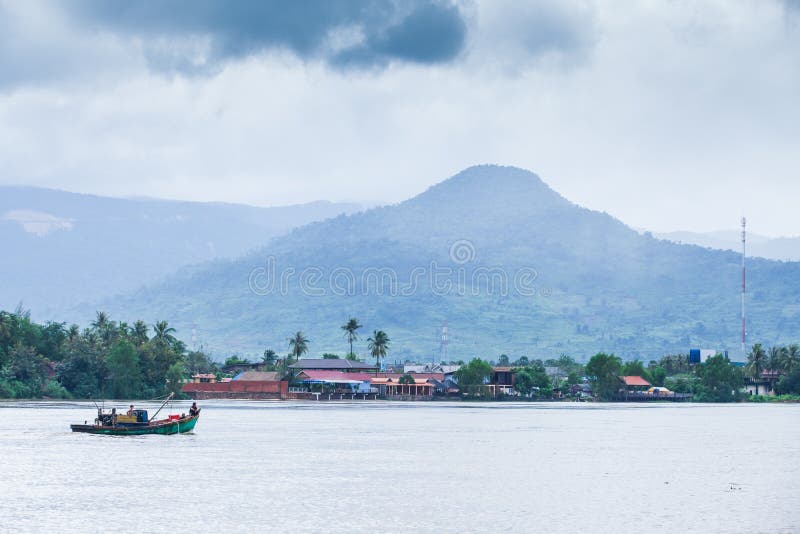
422	31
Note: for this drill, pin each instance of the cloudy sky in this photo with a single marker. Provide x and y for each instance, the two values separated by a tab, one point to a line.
669	115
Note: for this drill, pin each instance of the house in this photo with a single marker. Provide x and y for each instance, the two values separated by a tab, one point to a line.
204	378
502	379
447	370
764	384
320	379
334	364
635	383
392	387
257	385
633	387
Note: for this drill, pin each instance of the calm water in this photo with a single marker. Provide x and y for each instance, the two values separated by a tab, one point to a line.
409	467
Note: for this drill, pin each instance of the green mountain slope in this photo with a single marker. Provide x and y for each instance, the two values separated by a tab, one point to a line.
61	248
519	270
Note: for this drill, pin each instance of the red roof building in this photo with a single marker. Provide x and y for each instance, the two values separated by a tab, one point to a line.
635	382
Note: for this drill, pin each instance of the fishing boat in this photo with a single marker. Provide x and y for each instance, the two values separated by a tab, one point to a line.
137	423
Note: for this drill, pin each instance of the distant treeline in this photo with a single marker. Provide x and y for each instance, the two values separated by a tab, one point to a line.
108	359
112	359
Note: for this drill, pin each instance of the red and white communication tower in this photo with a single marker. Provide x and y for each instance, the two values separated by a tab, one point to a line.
744	235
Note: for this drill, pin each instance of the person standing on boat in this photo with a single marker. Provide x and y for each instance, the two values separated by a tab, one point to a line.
130	410
194	410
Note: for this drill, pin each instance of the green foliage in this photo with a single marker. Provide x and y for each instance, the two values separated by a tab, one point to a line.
533	380
298	345
503	361
569	365
476	373
719	381
680	383
790	383
573	378
406	379
54	390
123	366
772	398
198	362
675	364
351	331
174	378
635	368
236	360
757	361
106	359
658	375
378	346
603	371
329	356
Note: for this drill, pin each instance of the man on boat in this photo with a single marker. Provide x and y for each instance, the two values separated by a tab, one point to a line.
130	410
194	410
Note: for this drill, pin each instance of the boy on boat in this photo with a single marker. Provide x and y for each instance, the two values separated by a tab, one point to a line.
194	410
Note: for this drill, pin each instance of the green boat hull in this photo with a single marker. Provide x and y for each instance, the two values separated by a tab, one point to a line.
179	426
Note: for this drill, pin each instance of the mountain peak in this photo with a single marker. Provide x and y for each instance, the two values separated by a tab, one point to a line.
479	183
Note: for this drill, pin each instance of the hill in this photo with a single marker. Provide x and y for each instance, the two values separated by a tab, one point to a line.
773	248
63	248
510	265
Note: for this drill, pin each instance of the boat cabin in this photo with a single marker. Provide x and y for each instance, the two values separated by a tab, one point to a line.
138	417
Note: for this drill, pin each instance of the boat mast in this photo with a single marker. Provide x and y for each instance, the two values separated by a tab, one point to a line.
162	405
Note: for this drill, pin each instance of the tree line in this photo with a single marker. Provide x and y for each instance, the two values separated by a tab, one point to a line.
107	359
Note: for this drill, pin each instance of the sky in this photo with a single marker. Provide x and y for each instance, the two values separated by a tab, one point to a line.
670	115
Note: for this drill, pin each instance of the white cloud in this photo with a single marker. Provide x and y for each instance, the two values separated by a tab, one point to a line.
668	115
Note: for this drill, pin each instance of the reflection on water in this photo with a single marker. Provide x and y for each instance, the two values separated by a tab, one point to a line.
400	467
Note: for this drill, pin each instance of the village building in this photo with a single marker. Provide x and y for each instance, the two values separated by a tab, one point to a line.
416	389
764	384
332	364
335	381
502	380
256	385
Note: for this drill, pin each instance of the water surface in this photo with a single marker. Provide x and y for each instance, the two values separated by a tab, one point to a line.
400	467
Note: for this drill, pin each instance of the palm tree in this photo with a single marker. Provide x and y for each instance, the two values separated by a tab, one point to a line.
139	333
105	327
791	357
350	329
5	325
378	346
101	321
776	358
756	361
298	345
269	359
162	333
73	333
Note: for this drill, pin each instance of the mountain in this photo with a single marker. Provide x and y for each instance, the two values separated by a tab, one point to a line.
62	248
510	266
774	248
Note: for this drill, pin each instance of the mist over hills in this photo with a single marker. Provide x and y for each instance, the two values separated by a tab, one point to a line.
773	248
66	248
510	265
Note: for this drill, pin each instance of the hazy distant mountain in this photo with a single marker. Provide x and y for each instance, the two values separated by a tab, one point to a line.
774	248
62	248
597	285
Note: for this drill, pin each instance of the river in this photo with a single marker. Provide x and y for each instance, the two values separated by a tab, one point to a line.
408	467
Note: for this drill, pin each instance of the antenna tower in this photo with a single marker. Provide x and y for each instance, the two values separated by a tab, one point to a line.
443	341
744	235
